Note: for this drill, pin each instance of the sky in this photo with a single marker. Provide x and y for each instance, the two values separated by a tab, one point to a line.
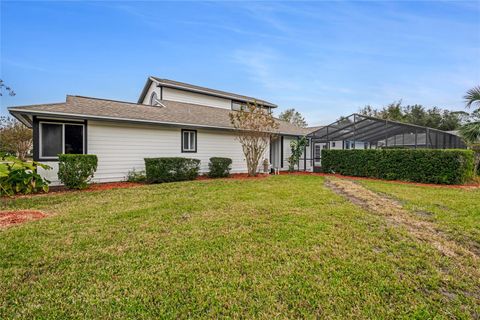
325	59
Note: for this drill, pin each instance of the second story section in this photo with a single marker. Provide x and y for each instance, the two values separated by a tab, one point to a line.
157	89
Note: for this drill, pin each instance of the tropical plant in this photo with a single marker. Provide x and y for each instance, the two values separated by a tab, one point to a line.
297	147
17	176
471	131
254	128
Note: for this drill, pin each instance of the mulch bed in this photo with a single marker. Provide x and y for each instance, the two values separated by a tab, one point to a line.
454	186
8	218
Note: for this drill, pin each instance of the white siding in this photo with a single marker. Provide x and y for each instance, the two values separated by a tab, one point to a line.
153	88
50	175
121	148
196	98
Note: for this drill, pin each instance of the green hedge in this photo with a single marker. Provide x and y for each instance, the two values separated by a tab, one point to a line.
171	169
219	167
417	165
76	170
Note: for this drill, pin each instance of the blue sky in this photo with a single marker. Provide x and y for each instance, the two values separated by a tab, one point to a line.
325	59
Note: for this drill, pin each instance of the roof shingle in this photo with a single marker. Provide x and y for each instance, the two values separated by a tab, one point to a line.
172	112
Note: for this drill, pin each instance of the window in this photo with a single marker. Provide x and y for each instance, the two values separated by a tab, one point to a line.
154	99
189	141
56	138
238	106
318	152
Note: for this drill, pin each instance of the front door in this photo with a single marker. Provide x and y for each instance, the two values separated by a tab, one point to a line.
317	153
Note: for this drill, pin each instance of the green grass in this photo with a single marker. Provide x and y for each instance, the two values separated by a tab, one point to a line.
283	247
455	211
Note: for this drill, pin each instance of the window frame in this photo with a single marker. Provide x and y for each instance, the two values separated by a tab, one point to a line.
40	138
154	99
194	150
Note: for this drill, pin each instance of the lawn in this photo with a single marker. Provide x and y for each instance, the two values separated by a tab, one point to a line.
284	246
455	211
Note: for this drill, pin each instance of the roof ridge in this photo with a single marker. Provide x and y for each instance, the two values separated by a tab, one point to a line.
36	105
194	86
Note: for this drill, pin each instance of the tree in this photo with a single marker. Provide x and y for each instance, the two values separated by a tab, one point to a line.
471	131
297	147
294	117
436	118
254	128
6	88
15	138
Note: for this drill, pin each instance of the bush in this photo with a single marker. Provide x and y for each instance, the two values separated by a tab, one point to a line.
136	176
76	170
219	167
417	165
171	169
17	176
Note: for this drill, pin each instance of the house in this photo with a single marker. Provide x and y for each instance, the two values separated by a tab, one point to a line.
169	119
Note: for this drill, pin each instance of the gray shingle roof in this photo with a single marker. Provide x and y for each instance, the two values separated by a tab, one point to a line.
172	112
194	88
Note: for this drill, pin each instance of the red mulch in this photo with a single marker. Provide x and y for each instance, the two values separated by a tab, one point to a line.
8	218
454	186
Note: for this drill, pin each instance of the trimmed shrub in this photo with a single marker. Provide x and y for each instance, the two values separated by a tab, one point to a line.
171	169
136	176
219	167
76	170
417	165
17	176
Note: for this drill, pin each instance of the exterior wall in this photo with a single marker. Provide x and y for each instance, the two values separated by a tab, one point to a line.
121	148
153	88
277	154
196	98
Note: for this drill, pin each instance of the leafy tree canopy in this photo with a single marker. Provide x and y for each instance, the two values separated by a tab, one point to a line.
294	117
417	114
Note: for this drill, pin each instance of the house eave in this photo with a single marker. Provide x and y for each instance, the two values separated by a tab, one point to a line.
17	113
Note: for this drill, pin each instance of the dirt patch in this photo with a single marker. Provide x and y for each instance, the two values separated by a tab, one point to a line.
395	214
8	218
472	185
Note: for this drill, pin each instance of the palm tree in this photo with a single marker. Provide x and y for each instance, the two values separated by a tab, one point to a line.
473	97
471	131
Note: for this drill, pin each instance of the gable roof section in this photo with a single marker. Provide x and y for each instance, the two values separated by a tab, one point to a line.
197	89
171	113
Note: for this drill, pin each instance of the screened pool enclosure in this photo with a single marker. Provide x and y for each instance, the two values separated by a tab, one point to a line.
364	132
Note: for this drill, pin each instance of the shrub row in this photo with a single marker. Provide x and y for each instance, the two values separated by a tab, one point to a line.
219	167
417	165
169	169
76	170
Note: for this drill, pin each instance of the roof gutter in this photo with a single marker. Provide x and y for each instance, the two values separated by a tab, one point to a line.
14	112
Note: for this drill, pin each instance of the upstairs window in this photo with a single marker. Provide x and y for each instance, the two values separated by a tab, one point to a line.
154	99
238	106
57	138
189	141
